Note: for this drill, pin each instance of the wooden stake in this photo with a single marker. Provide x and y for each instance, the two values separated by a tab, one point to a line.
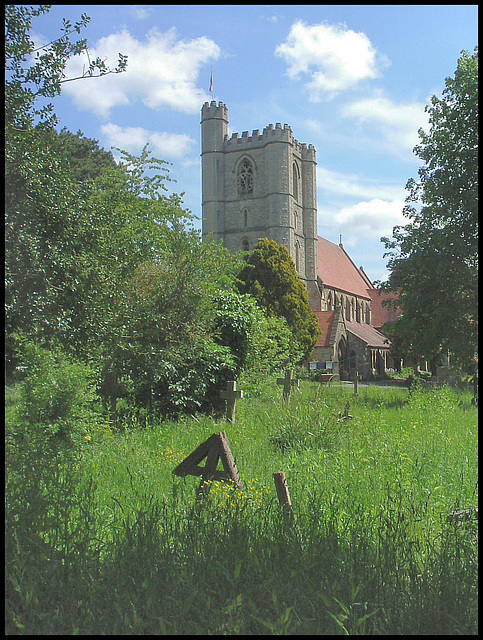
282	490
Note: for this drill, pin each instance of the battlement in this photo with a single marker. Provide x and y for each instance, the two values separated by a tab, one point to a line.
269	134
212	110
308	152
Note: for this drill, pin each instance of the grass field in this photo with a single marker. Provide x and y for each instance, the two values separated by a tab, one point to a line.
102	538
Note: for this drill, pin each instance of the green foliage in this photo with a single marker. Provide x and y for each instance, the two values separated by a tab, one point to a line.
46	225
100	262
41	227
270	277
366	550
57	394
85	158
272	350
162	319
434	258
259	344
33	73
236	316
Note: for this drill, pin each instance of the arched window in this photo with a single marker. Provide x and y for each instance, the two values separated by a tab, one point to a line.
245	245
245	178
296	178
330	302
368	313
245	218
297	256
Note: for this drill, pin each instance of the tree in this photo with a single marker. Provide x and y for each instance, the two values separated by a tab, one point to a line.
43	199
85	157
29	79
434	258
269	276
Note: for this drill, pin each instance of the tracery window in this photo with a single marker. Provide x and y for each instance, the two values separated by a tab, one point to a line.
245	177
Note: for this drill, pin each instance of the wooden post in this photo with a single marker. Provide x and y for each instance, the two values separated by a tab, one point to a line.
230	395
284	500
282	490
288	383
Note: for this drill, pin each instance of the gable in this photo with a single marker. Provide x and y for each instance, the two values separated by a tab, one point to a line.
326	320
368	334
337	271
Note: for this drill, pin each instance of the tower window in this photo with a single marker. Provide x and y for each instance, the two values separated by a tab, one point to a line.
296	177
245	245
245	177
245	218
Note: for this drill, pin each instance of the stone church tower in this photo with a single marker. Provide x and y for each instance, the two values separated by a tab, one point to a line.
260	186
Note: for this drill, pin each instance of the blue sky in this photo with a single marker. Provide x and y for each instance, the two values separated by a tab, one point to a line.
352	80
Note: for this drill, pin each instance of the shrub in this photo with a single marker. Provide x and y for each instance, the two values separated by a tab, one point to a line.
57	393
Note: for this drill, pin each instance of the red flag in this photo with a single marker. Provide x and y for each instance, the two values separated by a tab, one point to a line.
211	82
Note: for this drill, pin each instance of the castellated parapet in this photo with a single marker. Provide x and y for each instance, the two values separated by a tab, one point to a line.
259	186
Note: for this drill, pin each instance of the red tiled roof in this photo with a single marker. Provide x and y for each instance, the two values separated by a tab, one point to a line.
337	270
382	314
368	334
326	320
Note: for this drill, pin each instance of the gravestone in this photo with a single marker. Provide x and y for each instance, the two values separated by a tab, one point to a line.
230	395
356	384
288	383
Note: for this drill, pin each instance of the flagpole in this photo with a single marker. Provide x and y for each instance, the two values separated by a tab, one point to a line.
211	84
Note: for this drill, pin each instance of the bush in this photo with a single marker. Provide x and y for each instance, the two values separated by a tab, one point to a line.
57	393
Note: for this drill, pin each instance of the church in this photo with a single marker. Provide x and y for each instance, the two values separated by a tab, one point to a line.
263	185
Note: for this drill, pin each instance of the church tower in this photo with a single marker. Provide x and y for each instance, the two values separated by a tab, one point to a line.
260	186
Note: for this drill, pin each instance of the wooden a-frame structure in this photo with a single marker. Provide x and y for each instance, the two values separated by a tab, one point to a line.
213	449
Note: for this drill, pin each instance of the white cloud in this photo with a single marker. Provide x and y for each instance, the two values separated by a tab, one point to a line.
357	187
394	126
140	11
334	56
161	71
371	219
273	18
132	139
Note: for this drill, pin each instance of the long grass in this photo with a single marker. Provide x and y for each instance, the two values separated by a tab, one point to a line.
104	539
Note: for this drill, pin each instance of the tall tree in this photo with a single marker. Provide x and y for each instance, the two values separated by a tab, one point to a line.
269	276
434	258
42	197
